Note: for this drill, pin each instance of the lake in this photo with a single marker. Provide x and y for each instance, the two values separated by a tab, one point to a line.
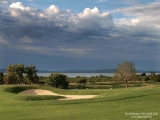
78	74
82	74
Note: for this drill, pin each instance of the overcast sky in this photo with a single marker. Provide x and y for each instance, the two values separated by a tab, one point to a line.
80	34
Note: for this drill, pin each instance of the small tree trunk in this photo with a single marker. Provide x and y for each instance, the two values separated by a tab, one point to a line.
126	84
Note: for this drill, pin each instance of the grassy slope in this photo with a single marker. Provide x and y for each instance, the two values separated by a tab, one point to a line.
110	105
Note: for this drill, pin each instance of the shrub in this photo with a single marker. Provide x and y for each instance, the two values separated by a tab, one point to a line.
82	82
57	80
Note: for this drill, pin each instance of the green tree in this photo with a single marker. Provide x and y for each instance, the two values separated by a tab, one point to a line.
10	77
125	72
92	80
57	80
143	74
158	78
1	77
153	74
20	73
31	75
81	81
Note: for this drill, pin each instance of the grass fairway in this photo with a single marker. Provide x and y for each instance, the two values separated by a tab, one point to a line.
111	104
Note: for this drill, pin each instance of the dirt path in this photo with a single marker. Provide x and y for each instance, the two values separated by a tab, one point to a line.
46	92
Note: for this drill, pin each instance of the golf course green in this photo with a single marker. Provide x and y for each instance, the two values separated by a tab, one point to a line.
109	104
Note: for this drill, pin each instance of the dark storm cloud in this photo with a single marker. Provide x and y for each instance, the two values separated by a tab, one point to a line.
25	21
52	25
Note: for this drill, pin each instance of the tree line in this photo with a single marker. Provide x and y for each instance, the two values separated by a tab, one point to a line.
125	73
20	74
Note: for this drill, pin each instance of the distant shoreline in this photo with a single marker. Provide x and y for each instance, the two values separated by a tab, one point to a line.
91	71
84	74
86	71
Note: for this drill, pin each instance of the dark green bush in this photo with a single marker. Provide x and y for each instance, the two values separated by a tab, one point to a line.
57	80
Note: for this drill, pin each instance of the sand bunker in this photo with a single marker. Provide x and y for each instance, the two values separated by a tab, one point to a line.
46	92
37	92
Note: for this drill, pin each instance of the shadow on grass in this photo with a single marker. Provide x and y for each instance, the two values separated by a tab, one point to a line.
117	98
125	98
39	97
18	89
105	86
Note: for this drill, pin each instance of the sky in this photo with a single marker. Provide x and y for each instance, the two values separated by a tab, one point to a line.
80	34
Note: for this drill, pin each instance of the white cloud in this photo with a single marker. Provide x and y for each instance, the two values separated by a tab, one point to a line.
94	19
149	12
150	9
142	21
134	21
74	50
4	42
26	39
35	49
127	21
3	2
52	10
54	50
89	11
19	5
18	9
